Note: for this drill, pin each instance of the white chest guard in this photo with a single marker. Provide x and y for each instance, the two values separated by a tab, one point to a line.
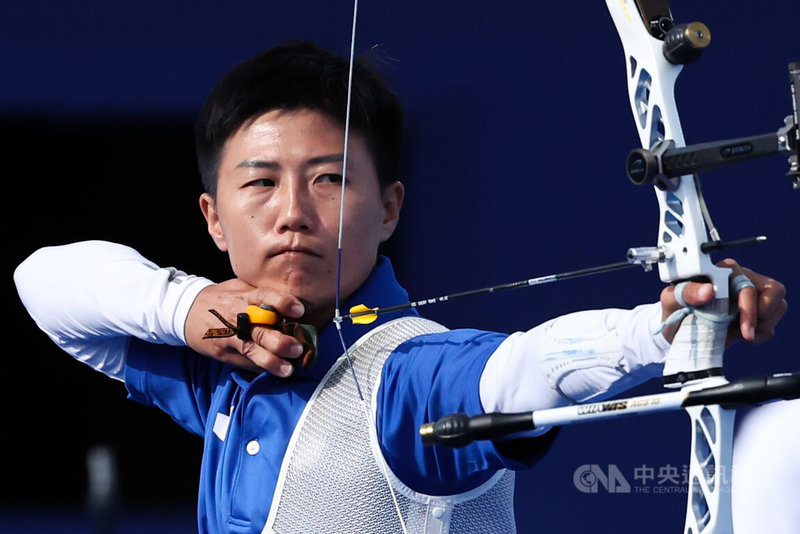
331	480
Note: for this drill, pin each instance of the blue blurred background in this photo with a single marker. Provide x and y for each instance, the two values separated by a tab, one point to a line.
519	127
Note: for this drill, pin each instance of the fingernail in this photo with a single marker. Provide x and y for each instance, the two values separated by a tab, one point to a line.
297	310
285	369
752	332
296	350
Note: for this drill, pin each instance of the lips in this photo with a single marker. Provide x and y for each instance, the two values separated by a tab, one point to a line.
294	250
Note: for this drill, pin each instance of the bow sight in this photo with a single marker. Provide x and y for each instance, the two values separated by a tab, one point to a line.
663	164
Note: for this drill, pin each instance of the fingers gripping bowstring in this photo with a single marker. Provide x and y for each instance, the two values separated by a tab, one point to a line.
337	318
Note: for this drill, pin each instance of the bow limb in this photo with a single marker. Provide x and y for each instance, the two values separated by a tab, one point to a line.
682	231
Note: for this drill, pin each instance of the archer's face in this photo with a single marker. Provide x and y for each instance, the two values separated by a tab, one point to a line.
277	207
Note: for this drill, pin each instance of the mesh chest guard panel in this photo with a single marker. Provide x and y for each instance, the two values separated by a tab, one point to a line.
331	481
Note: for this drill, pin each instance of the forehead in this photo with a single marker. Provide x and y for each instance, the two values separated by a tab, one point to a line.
294	136
296	126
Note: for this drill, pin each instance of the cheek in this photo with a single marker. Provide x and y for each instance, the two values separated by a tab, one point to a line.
364	233
371	224
241	232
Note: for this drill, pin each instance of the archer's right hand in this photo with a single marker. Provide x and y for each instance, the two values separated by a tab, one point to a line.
269	350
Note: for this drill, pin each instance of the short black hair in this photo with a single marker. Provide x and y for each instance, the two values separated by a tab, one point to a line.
301	75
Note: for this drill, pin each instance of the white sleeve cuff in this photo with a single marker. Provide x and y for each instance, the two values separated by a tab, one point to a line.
575	358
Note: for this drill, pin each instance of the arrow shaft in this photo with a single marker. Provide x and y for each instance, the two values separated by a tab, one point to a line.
496	288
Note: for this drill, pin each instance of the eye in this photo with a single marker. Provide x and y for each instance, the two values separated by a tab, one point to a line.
329	178
262	182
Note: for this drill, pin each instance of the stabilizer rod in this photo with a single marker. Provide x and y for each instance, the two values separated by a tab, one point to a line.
459	430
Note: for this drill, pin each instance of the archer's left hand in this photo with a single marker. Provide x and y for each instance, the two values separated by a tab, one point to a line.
760	307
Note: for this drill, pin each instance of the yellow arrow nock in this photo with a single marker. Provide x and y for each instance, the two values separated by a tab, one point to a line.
361	314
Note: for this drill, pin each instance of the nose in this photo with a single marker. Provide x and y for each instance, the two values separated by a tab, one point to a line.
295	208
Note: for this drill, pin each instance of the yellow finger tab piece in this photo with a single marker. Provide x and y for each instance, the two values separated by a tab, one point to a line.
360	314
262	314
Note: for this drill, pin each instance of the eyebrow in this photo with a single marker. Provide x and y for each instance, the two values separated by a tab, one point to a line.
268	164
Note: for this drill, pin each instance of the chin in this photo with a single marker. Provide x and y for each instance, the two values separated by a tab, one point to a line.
315	297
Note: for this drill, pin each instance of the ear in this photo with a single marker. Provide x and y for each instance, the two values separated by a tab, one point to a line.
209	208
392	198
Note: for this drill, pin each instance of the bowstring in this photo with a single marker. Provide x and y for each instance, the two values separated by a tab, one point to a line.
337	319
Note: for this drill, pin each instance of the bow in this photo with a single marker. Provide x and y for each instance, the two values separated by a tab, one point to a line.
655	51
645	33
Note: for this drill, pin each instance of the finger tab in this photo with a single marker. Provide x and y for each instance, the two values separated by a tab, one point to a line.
262	314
